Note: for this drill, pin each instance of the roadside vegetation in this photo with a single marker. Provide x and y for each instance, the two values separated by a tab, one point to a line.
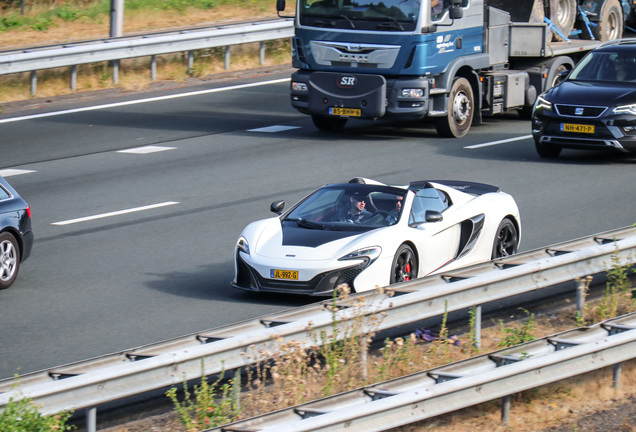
46	22
343	358
22	415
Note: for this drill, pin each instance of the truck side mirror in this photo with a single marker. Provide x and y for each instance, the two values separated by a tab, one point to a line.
456	11
280	5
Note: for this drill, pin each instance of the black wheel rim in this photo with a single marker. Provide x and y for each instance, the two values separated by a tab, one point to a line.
405	268
506	241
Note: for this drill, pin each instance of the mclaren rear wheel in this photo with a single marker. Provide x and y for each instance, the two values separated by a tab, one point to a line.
506	240
404	266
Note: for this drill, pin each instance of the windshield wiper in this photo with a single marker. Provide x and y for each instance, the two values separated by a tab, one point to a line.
348	20
394	21
305	223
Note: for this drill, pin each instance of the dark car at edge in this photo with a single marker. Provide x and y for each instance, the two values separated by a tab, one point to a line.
593	107
16	235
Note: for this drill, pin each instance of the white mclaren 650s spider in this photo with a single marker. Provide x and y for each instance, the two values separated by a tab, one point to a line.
367	234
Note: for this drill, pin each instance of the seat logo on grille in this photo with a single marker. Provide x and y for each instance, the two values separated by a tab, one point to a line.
578	111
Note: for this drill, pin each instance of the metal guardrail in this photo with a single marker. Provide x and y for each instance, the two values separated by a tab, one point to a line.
33	59
445	389
91	383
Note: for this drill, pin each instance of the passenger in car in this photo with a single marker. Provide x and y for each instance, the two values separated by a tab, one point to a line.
394	214
625	68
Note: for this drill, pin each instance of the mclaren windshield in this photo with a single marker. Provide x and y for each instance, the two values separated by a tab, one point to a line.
397	15
349	207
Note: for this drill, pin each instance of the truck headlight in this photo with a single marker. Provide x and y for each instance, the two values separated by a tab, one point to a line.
412	93
299	87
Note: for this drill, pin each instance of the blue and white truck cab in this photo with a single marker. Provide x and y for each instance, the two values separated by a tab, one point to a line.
450	60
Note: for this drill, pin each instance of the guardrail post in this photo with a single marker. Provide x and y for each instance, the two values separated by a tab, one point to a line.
34	82
616	375
73	77
262	53
153	68
91	419
505	410
477	325
190	62
236	388
581	293
115	64
227	57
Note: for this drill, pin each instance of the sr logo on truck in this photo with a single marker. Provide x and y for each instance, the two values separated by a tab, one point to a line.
347	81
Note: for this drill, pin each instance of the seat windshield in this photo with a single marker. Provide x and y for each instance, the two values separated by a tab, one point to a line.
605	67
349	206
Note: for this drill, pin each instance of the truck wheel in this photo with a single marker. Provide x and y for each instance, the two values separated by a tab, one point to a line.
547	151
461	105
563	16
610	22
328	124
555	67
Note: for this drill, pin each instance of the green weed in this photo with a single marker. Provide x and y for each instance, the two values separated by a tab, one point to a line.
22	415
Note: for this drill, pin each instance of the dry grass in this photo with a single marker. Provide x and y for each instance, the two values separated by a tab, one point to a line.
134	74
135	22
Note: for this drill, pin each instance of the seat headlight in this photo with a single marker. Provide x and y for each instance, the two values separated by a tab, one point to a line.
542	103
242	245
299	87
369	254
412	92
626	109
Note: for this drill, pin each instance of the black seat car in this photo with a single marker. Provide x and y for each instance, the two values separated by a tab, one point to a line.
594	107
16	235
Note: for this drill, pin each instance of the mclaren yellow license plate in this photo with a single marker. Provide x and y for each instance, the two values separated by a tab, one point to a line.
349	112
284	274
577	128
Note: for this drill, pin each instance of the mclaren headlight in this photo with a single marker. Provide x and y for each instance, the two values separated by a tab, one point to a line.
542	104
626	109
242	245
369	254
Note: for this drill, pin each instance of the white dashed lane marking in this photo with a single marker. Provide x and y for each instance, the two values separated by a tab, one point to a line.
14	172
275	128
492	143
115	213
146	149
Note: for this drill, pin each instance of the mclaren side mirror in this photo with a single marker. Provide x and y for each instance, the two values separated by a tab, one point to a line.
277	207
433	216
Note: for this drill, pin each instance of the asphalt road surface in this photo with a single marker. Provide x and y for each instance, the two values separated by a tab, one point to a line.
137	204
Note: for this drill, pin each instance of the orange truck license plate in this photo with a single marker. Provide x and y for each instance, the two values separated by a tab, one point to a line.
350	112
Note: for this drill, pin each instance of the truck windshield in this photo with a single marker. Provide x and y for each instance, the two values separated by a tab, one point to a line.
396	15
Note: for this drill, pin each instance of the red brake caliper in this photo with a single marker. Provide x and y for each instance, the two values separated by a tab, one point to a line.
407	270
